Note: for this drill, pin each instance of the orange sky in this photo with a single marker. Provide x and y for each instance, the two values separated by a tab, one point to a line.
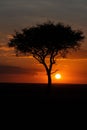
15	15
29	70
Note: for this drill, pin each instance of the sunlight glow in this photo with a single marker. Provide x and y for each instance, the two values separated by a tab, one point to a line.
58	76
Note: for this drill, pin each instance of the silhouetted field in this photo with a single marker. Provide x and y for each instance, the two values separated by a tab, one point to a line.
38	93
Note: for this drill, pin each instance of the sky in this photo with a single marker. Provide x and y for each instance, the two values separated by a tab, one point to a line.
18	14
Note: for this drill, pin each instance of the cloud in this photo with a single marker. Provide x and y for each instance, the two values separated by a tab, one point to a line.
5	48
79	54
11	70
9	36
6	51
8	69
13	12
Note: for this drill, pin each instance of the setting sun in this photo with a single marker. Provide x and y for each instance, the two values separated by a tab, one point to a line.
58	76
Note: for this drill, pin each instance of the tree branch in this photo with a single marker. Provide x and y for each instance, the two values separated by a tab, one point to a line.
54	71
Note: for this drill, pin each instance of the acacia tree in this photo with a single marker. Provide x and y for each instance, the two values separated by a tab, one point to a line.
46	40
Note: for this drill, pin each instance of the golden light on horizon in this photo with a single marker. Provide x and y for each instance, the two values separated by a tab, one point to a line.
58	76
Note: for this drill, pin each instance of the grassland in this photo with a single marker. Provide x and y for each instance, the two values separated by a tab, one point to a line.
38	93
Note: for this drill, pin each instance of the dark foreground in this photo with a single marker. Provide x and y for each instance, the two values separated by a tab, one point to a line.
38	93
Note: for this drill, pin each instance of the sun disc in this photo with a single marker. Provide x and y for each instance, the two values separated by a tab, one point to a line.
58	76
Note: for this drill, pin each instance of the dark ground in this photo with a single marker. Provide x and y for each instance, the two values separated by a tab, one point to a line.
38	93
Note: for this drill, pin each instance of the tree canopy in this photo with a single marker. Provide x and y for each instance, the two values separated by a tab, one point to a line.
46	40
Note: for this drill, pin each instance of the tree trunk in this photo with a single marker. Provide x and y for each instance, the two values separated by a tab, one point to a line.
49	79
48	70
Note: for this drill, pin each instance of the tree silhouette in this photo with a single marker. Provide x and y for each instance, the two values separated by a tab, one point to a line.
46	40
